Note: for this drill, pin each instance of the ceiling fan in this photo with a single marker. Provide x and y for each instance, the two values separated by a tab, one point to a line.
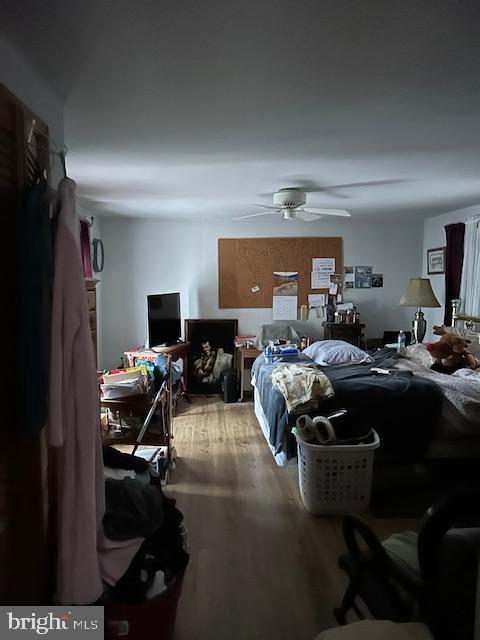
290	203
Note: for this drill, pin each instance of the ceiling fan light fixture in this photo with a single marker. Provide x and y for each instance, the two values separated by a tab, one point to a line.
289	198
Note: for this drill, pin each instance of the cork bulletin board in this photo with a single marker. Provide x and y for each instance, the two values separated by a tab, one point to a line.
246	266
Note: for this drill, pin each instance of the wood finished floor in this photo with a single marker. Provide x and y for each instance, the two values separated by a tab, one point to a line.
261	566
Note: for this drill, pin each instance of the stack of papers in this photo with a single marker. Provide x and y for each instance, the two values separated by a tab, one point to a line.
123	385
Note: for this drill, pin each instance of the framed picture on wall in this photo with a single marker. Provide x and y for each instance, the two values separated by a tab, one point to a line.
436	261
212	349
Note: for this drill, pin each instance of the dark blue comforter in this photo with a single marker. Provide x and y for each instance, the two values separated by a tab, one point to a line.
402	408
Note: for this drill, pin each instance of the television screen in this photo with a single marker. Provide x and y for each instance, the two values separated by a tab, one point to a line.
164	326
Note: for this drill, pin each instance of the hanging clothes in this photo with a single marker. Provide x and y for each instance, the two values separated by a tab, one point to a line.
86	249
73	425
36	284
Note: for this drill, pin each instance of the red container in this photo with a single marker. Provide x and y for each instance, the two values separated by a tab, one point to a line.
152	620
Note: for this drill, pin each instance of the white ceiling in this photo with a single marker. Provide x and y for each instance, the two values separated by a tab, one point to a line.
197	108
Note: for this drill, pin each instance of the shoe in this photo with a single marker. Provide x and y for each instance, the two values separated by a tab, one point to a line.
306	429
324	430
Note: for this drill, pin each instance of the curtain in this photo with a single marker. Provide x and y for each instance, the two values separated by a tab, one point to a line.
453	266
86	250
470	285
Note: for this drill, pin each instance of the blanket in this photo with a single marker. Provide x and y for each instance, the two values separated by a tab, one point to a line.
461	391
301	385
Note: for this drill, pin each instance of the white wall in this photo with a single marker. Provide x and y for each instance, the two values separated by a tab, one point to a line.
434	236
19	77
144	256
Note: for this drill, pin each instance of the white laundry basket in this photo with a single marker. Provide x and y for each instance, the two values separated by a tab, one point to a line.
335	478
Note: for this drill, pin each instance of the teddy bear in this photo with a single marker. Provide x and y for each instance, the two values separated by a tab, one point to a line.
451	352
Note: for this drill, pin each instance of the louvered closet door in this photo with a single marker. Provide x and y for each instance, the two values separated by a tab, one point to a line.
24	513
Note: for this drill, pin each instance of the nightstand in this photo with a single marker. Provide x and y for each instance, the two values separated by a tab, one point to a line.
348	331
245	358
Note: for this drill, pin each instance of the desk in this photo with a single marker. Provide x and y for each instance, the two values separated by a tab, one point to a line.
243	356
175	351
133	416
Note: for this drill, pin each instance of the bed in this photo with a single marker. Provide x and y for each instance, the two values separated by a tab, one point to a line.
418	412
403	408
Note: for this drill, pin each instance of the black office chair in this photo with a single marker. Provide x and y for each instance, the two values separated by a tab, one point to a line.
398	579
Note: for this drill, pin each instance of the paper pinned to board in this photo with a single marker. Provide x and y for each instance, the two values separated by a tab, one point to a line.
285	295
255	289
316	300
321	270
323	264
285	307
320	279
285	283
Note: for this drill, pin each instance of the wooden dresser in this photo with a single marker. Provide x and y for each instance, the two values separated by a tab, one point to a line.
348	331
91	289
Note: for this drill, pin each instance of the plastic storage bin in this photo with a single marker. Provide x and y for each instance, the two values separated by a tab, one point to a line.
335	478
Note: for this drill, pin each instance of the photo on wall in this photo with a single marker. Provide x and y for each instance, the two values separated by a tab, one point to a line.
436	261
348	277
377	280
363	277
212	348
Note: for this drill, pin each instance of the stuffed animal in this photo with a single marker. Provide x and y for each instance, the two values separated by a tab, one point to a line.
450	352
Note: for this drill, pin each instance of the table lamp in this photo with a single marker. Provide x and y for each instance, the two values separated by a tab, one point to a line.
419	294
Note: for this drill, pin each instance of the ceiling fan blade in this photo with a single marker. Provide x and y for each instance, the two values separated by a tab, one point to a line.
254	215
267	206
368	183
326	212
309	186
301	214
305	184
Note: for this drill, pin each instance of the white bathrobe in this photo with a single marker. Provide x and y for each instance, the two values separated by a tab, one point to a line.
73	426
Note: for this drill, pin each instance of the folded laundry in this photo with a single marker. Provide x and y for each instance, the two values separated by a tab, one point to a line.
301	384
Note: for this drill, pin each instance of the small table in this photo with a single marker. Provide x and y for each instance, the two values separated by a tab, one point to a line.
348	331
141	407
175	351
244	356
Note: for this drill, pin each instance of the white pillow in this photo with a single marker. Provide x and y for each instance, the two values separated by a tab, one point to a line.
418	354
327	352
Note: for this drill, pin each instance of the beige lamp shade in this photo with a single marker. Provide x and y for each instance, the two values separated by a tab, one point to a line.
419	294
